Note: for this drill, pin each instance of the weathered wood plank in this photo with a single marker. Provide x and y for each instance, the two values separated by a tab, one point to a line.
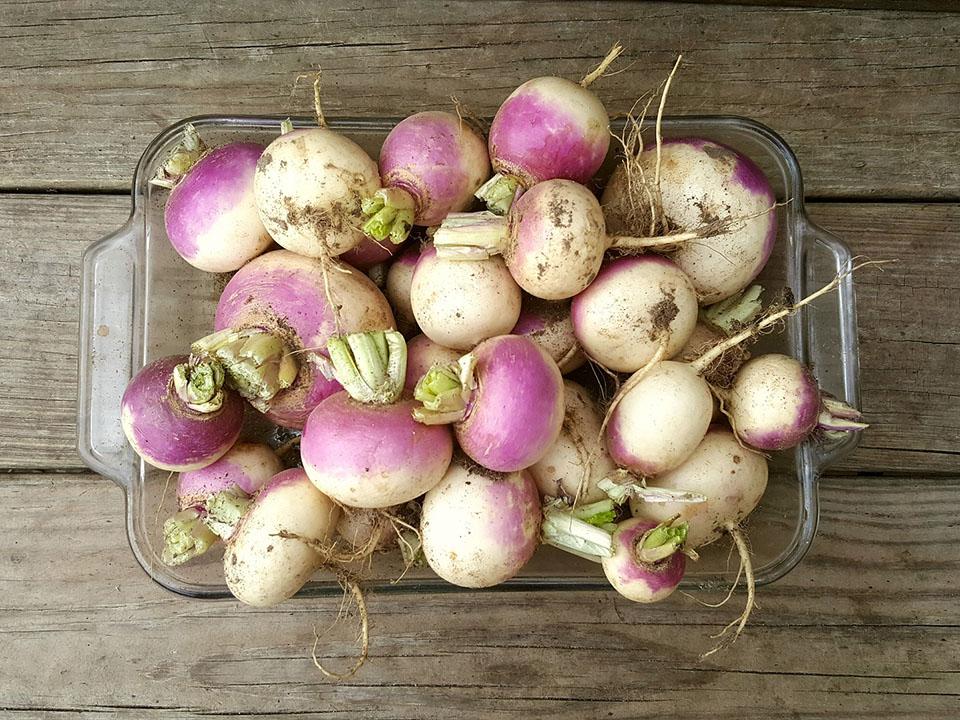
909	334
867	625
869	98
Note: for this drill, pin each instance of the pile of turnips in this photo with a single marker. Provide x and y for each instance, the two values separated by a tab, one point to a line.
432	410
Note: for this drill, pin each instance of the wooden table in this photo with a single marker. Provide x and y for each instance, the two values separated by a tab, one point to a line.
867	626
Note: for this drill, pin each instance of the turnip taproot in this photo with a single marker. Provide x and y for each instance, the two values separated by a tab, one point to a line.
272	324
480	528
431	163
261	566
362	446
505	399
178	415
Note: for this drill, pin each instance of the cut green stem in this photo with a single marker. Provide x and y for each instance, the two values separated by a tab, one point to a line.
257	362
563	530
498	193
199	384
732	314
444	392
470	236
597	513
391	212
371	366
620	492
225	509
185	536
183	157
661	542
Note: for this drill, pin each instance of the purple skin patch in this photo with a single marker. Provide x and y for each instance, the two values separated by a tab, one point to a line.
516	411
528	324
426	155
620	452
213	187
282	291
656	577
534	139
514	523
610	275
232	470
368	252
166	433
808	404
283	480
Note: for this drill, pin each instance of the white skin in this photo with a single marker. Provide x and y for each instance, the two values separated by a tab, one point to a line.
262	569
459	522
308	188
663	418
731	477
578	455
458	304
615	322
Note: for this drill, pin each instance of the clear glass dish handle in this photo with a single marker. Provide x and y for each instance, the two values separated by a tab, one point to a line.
832	350
107	306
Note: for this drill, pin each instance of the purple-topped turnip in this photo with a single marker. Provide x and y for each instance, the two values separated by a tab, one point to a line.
212	500
459	304
368	253
272	324
646	564
431	163
505	400
362	447
713	201
309	185
479	528
262	567
775	404
211	216
178	415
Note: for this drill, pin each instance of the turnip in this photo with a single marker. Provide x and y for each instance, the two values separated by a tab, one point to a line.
662	411
423	354
431	163
646	564
575	463
480	528
212	500
547	128
178	415
459	304
712	201
261	566
210	216
548	324
368	253
364	530
309	185
635	305
362	447
505	399
775	403
397	289
273	321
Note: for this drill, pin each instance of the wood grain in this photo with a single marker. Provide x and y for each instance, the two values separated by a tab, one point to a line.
869	99
91	633
909	334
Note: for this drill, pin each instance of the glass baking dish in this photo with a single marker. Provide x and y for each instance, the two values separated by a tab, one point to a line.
141	301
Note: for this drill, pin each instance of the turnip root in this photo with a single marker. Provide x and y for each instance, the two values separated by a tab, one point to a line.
262	568
309	185
713	202
549	325
505	399
362	447
273	321
547	128
210	216
423	354
459	304
212	500
646	565
397	290
177	414
635	305
577	460
480	528
775	403
431	163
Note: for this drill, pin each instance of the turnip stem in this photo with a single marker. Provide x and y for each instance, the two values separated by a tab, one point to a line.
444	391
391	212
185	537
257	362
729	315
621	492
498	193
199	383
371	366
183	157
224	511
660	542
482	234
563	530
